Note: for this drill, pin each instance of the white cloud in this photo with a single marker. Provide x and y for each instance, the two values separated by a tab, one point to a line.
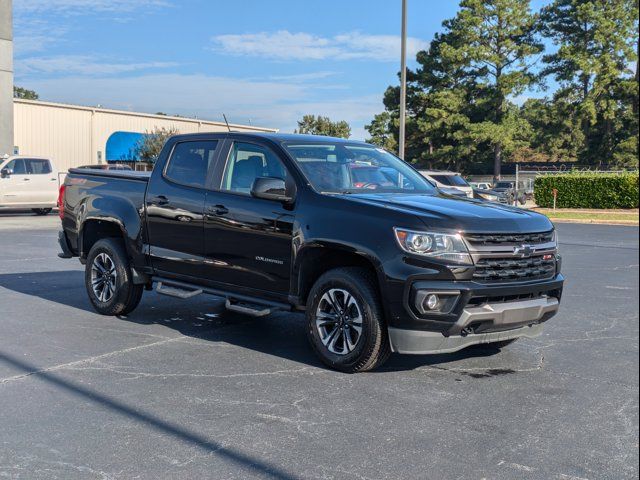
303	77
38	24
277	104
80	65
35	35
83	7
284	45
25	43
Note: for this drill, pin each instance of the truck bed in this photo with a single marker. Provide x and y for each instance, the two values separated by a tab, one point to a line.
123	174
94	195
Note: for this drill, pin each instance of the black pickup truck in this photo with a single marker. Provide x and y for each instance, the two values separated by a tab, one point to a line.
375	256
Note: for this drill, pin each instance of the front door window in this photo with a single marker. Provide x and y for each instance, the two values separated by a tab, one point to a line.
248	162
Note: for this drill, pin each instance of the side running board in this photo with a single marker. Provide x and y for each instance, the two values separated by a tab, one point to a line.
247	308
235	302
176	292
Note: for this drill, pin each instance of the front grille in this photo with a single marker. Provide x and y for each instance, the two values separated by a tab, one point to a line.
510	269
512	257
509	238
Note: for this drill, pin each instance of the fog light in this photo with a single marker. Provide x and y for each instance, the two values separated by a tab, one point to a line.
432	302
435	302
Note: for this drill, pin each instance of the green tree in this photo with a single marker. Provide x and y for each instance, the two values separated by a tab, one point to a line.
439	104
381	128
323	126
556	133
459	113
151	143
496	40
597	41
19	92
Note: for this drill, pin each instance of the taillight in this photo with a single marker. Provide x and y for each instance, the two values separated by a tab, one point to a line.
61	201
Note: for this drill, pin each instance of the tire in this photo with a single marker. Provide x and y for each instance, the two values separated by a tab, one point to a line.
114	292
41	211
333	330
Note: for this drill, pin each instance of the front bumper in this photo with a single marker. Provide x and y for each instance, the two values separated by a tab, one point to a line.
499	321
402	296
417	342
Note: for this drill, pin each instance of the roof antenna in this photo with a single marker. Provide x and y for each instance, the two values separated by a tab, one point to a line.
225	121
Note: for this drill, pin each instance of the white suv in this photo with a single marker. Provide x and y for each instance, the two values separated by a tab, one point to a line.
448	180
28	182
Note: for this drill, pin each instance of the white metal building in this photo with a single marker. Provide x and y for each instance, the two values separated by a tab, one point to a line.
73	135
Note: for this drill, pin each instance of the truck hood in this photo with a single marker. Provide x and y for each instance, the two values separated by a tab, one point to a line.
450	213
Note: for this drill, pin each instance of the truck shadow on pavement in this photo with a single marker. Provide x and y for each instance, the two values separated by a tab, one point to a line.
242	460
281	334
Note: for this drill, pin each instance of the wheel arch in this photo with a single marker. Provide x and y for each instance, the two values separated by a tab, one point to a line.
111	217
95	229
314	260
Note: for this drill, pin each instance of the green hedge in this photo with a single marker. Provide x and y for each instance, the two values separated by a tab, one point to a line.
588	190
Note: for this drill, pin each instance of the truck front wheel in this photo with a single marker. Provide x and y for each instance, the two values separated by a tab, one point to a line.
345	321
108	279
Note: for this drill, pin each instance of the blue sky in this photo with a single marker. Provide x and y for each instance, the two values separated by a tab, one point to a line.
258	61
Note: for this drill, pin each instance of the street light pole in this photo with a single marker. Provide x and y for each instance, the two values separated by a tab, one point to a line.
403	81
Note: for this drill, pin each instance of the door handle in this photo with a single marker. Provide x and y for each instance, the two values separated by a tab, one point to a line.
218	209
26	179
162	200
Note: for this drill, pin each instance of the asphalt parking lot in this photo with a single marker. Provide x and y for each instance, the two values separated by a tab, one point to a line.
187	390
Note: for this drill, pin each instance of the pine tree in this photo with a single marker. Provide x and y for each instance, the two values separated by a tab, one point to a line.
496	41
596	42
323	126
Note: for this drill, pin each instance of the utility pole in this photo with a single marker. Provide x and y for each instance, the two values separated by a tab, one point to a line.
6	78
403	81
515	186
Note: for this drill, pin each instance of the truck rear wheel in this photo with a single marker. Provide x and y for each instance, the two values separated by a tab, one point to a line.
345	321
108	279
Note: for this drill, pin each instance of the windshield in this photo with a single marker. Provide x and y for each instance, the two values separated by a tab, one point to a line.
504	185
450	180
352	168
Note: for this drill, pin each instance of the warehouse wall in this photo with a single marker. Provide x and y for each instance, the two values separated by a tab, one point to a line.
73	135
61	134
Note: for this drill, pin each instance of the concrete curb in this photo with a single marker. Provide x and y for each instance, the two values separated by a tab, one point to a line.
630	223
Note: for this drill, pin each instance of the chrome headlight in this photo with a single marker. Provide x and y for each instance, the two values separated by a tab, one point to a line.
442	246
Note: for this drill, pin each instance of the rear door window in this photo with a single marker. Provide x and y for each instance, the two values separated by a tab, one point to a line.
190	162
38	166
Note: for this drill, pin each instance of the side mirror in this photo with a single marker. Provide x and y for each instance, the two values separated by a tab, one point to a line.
271	188
6	172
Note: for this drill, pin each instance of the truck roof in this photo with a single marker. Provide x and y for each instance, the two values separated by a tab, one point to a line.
14	157
278	137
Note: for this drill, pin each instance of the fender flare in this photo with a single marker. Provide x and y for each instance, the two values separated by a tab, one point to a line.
117	211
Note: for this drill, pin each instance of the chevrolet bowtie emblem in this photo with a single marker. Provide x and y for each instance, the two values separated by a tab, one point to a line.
523	251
